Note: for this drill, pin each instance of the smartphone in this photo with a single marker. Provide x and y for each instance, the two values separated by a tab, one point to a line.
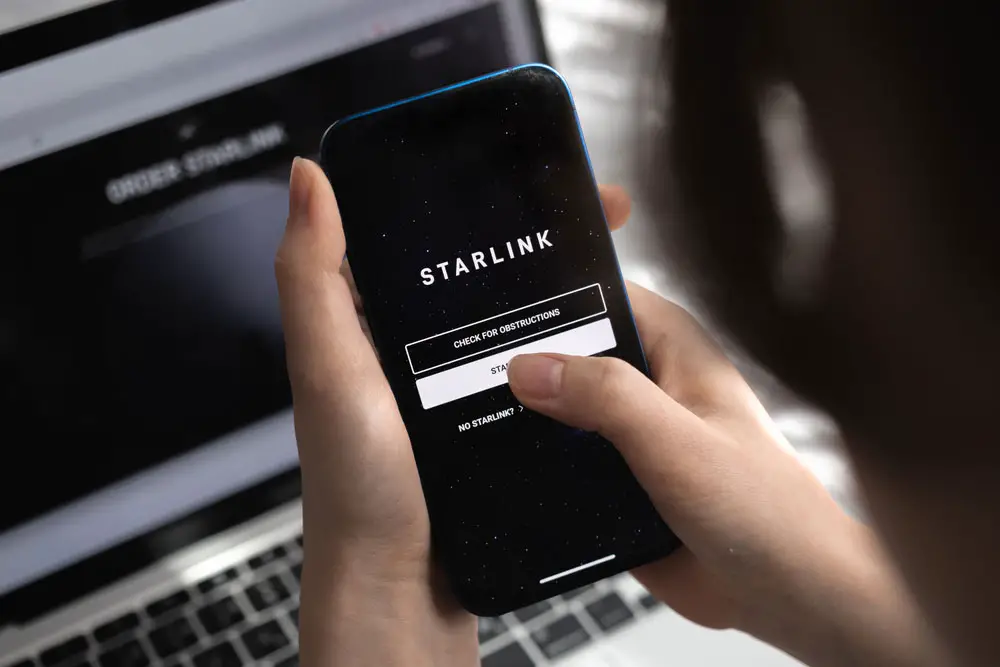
476	233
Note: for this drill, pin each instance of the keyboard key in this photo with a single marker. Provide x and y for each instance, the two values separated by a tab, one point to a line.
168	604
490	628
508	656
120	625
130	654
267	557
577	593
649	602
289	662
609	612
65	652
223	655
173	637
265	639
535	610
220	615
267	593
210	584
293	614
559	638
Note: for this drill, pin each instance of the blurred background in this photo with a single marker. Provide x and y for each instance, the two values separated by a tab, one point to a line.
608	50
144	155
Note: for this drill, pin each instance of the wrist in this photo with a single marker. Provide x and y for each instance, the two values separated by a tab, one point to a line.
359	608
845	604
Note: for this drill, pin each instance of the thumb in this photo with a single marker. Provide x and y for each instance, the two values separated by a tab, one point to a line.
334	373
659	439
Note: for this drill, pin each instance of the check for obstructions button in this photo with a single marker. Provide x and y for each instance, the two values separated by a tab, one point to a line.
489	372
473	340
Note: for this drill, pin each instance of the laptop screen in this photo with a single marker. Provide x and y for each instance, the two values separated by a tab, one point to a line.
144	160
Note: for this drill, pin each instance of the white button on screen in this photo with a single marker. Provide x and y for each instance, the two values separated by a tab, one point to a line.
521	324
489	372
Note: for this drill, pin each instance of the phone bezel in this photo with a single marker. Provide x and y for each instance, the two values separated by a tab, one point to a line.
474	600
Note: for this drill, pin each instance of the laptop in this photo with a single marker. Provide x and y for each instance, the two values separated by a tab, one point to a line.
150	492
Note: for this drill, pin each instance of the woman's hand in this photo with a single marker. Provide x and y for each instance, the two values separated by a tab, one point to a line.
767	549
370	594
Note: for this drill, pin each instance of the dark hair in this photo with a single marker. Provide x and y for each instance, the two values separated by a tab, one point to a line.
922	66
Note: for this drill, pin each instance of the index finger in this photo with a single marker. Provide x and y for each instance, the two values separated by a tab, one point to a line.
617	205
683	358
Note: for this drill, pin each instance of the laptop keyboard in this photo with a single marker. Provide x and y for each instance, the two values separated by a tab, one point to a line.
248	615
554	629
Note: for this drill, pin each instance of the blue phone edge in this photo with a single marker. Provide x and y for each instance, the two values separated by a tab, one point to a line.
579	126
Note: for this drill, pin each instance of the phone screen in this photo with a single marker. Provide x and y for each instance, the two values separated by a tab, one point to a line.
476	233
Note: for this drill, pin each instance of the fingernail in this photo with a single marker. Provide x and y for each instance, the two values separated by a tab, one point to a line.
536	376
298	191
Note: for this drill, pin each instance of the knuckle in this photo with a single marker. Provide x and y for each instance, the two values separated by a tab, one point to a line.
614	376
608	389
295	267
365	408
377	419
284	266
